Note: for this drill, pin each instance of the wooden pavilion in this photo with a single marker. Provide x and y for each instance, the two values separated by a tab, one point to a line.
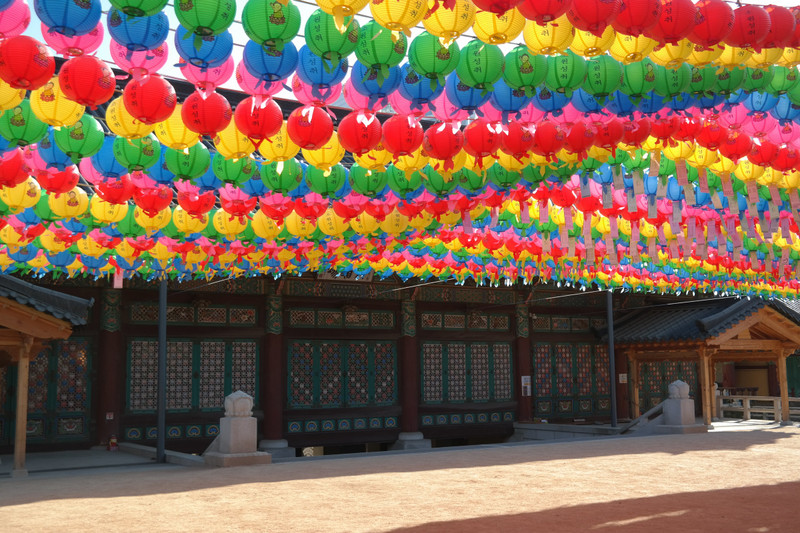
709	332
30	316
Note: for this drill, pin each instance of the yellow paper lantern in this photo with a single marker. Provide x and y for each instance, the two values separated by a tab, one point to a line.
279	147
232	143
123	124
152	224
375	159
747	171
790	58
264	227
551	38
566	156
88	246
703	157
421	221
413	162
395	223
51	106
340	9
672	55
765	58
492	28
160	252
701	57
125	250
512	163
448	24
9	96
332	224
188	224
299	226
588	44
195	256
599	153
21	196
769	177
327	156
791	180
450	219
364	224
723	165
451	165
733	57
228	225
174	134
107	212
680	151
629	49
71	204
398	16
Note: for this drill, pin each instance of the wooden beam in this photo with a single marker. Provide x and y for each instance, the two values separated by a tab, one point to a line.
784	385
14	315
705	389
21	421
754	345
633	363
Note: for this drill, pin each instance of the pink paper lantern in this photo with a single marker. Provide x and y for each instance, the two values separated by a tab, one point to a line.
444	110
403	106
359	102
210	78
529	114
15	19
307	95
491	113
139	64
252	85
759	125
735	118
76	45
89	172
786	133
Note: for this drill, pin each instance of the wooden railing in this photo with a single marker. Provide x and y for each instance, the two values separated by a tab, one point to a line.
763	407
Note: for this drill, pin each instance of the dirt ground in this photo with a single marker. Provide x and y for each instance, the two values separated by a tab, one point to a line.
721	481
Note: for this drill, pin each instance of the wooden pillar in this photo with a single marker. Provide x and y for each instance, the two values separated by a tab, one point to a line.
523	363
623	394
705	388
633	364
110	364
21	421
410	387
272	383
784	386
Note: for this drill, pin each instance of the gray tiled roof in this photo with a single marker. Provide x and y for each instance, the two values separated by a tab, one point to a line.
62	306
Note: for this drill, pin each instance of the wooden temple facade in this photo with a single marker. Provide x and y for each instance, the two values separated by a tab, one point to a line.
336	363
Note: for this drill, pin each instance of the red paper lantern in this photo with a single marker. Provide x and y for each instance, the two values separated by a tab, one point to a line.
593	15
351	206
750	27
309	127
547	140
781	27
763	154
482	138
608	133
258	118
687	129
196	203
712	136
517	139
25	63
579	139
736	146
359	132
12	168
206	113
152	200
636	16
402	135
675	21
713	22
496	6
662	128
543	11
276	206
115	191
794	40
310	206
635	132
59	182
150	99
237	205
786	160
87	80
443	140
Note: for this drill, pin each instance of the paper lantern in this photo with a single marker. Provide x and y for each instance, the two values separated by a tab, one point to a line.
59	181
139	8
25	63
189	163
402	135
232	143
258	121
443	140
429	58
480	65
21	196
152	201
205	17
548	140
603	76
12	168
398	16
208	79
449	24
750	27
51	105
378	48
236	171
629	49
549	38
71	204
309	127
282	176
279	147
137	154
77	44
67	16
173	133
587	44
713	23
269	23
9	96
150	100
20	126
374	83
672	55
524	71
206	113
139	64
327	39
542	12
87	80
270	64
136	34
204	52
122	123
375	159
636	16
115	190
326	182
592	15
326	155
565	73
482	138
14	19
359	132
675	22
187	222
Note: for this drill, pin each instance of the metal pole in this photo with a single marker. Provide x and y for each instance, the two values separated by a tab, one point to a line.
611	363
161	454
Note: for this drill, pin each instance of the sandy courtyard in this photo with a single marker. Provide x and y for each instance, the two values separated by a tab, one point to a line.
747	481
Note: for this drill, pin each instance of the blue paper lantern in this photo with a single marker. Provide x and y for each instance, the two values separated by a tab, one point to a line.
651	103
586	103
463	95
618	103
760	102
68	17
365	81
203	52
52	154
419	90
208	181
314	70
138	33
549	101
270	64
159	172
105	162
680	103
785	110
508	100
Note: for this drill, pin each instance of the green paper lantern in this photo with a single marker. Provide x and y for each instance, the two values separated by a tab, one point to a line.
469	180
236	171
603	76
378	49
565	73
671	82
128	225
729	81
210	231
369	182
502	177
429	58
783	80
438	184
139	8
137	154
324	38
205	17
188	164
326	183
82	139
703	81
271	23
481	65
19	126
756	79
400	183
533	174
638	78
282	176
524	71
42	208
793	94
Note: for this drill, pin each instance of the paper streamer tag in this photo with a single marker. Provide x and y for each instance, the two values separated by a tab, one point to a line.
571	247
682	243
544	216
524	213
662	240
611	250
635	242
712	231
681	173
783	261
673	249
546	245
617	174
661	190
629	194
651	248
495	214
785	231
794	200
688	192
654	166
466	221
652	207
691	228
608	197
716	201
586	191
702	180
614	227
638	183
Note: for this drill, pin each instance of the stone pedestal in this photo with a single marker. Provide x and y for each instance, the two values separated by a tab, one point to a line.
411	441
678	415
277	448
236	443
